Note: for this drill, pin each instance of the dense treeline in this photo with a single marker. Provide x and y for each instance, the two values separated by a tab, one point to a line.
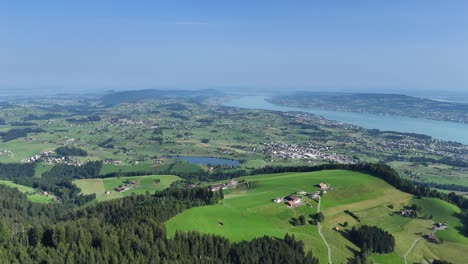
131	230
71	151
47	116
18	212
187	172
10	171
160	206
373	239
19	133
443	186
57	181
89	170
445	160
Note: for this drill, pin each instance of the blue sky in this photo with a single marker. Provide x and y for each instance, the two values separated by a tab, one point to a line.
353	45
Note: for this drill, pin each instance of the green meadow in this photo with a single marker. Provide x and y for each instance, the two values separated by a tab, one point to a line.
145	184
248	213
32	195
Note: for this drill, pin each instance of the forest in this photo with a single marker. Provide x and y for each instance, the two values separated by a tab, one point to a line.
129	230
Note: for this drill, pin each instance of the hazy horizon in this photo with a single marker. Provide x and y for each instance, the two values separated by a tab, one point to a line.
362	46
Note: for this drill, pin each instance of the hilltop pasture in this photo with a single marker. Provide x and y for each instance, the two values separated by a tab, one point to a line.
246	213
145	184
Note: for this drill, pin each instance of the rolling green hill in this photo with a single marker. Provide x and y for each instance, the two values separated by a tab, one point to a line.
246	213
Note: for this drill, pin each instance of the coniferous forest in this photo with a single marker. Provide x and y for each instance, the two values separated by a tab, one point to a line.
128	230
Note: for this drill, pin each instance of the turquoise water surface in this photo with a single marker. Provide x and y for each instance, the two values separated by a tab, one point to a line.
443	130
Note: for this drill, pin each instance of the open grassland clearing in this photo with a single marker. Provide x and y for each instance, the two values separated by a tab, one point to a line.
33	195
249	213
150	183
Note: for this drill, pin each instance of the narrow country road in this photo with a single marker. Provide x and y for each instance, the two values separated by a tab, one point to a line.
412	247
319	227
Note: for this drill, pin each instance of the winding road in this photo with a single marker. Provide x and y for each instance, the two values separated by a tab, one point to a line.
319	227
413	245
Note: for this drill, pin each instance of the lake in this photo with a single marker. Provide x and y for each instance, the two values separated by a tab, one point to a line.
443	130
208	160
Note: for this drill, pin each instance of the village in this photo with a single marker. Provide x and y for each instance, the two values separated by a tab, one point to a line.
309	152
50	157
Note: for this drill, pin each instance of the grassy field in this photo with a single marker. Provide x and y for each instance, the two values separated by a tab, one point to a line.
145	184
32	195
245	214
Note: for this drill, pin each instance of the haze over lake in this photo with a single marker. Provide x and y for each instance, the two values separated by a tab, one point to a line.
443	130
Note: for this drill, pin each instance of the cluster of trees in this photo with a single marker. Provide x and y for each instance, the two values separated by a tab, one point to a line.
353	215
372	239
107	143
92	118
70	151
19	133
301	220
317	217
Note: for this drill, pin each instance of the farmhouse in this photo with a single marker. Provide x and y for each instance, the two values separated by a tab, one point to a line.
293	200
440	226
278	200
323	186
217	187
407	212
432	238
231	183
122	188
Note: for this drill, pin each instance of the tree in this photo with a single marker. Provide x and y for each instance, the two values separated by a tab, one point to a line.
302	220
319	217
204	140
3	233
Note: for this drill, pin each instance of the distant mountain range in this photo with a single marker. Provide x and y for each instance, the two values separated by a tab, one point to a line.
138	95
